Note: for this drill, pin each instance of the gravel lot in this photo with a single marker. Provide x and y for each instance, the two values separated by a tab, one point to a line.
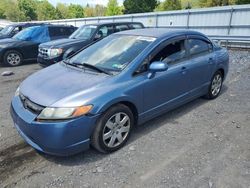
201	144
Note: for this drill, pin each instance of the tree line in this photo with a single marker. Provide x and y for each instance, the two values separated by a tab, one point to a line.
27	10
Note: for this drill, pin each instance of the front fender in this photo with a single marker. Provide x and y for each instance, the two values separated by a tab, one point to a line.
70	52
102	107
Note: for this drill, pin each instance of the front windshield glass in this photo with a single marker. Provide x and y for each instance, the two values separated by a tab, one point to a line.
39	34
84	32
113	53
6	30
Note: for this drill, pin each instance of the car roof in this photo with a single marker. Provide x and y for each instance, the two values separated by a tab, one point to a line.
160	32
24	24
40	24
57	25
112	23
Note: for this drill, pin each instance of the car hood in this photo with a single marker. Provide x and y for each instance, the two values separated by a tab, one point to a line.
64	43
59	81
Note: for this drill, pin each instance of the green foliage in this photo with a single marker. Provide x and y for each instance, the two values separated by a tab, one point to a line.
76	11
113	8
28	7
27	10
212	3
2	8
12	12
169	5
240	2
99	10
89	11
139	6
188	4
45	11
62	11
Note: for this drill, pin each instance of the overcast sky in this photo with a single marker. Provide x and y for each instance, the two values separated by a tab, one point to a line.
82	2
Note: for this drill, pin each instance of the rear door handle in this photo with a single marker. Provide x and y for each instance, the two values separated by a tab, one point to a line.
183	70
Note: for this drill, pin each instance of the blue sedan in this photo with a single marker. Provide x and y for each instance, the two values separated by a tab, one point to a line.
98	95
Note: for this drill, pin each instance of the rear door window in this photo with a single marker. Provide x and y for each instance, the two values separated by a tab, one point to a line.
135	26
121	27
57	32
198	46
105	30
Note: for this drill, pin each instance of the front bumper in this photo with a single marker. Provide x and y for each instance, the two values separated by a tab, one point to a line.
57	138
47	62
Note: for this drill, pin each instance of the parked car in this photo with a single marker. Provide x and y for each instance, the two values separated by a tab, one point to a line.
10	30
128	78
24	45
55	51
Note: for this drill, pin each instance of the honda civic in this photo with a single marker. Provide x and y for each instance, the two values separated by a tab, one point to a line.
97	96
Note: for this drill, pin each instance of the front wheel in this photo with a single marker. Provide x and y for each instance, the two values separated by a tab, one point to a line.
215	86
113	129
13	58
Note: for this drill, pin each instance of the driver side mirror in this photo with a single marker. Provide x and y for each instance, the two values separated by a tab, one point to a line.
157	66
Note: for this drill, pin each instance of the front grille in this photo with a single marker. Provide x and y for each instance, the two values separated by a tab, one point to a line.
43	52
31	106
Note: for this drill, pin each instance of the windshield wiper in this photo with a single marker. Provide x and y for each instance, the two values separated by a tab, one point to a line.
95	68
88	66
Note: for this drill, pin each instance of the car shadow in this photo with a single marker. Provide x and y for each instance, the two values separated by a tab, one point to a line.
92	155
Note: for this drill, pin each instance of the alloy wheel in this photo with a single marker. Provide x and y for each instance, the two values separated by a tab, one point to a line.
13	59
216	85
116	130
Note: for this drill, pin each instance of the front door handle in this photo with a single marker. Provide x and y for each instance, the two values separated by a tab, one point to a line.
210	60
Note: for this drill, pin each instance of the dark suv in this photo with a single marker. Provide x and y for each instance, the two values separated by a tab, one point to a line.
54	51
10	30
24	45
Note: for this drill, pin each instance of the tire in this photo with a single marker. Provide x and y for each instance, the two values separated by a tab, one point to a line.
110	135
215	86
12	58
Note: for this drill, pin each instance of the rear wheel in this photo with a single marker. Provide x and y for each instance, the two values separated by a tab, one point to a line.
13	58
113	129
215	86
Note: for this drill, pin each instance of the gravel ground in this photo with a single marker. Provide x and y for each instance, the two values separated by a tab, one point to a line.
201	144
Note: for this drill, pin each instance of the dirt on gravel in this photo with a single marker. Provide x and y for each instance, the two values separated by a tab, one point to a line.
203	144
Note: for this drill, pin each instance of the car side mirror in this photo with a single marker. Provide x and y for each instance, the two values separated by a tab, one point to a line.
157	66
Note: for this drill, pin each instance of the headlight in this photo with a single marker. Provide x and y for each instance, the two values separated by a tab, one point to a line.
63	113
17	92
54	52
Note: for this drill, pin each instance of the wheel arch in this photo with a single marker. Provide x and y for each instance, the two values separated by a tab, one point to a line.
129	103
222	72
13	49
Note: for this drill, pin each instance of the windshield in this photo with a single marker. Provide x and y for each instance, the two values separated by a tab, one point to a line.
6	30
113	53
84	32
37	34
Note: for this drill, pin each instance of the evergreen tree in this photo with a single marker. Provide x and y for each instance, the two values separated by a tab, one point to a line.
139	6
169	5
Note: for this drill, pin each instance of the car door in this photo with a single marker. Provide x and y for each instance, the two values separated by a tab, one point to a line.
169	88
200	65
38	36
